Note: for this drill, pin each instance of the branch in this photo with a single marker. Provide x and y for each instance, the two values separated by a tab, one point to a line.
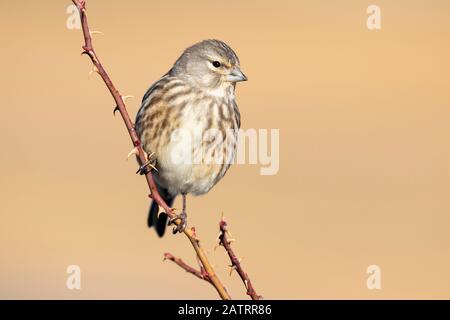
235	262
88	49
201	274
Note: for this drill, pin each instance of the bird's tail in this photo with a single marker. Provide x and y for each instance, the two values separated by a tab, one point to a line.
159	223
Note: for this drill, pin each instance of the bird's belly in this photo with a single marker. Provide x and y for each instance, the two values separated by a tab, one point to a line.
192	162
195	179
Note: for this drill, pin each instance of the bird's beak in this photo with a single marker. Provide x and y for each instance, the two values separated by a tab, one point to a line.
236	75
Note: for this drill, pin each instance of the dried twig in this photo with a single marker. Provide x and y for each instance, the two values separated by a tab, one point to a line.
235	261
119	99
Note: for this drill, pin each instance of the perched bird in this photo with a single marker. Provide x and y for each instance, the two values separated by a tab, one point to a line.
195	97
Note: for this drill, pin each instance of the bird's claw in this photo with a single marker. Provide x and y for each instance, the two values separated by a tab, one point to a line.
144	169
182	225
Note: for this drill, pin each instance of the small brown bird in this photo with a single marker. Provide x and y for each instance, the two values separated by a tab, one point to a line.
189	121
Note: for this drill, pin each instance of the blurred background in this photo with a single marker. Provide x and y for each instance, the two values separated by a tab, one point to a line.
364	175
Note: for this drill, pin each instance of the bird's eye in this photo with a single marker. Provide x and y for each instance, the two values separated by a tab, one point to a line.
216	64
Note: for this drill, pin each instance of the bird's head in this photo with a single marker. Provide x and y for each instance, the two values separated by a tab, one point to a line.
209	64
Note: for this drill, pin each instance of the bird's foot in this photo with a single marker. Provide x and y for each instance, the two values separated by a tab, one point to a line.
182	225
147	166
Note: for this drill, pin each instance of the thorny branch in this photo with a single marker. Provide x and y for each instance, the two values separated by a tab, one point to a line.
235	261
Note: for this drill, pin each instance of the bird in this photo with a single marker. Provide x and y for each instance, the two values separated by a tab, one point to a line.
188	125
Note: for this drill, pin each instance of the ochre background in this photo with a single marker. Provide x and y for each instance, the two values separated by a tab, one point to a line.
364	137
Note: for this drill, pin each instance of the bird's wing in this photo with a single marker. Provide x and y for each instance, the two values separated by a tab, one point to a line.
150	90
146	100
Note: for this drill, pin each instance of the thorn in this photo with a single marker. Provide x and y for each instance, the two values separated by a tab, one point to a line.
115	110
95	32
231	240
216	246
232	268
134	151
193	232
143	169
223	220
94	69
124	98
240	259
246	284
